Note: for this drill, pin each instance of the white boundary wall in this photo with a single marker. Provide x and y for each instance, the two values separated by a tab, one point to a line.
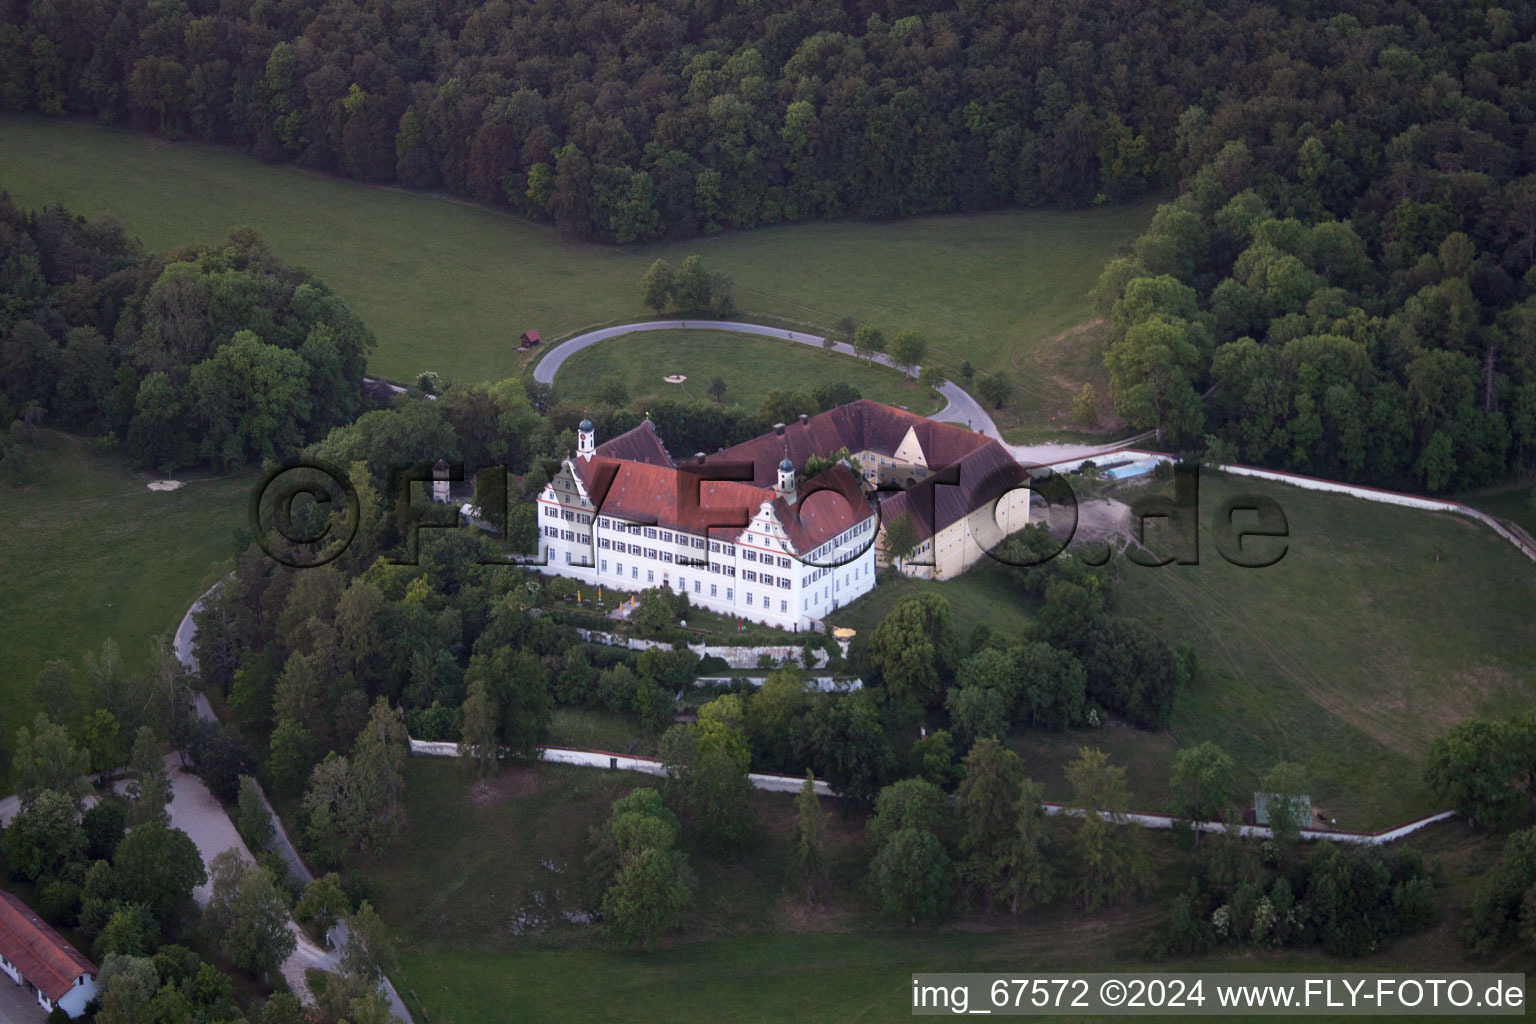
735	657
826	684
1257	831
1311	483
773	783
625	763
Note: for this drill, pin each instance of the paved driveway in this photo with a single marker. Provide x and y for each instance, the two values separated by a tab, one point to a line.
18	1005
959	406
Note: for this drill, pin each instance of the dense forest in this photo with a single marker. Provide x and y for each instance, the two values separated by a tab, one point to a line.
1342	287
207	354
630	122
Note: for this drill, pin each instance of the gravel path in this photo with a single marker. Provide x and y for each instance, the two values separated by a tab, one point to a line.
200	814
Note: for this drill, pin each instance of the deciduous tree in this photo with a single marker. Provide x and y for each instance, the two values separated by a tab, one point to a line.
809	851
149	785
656	286
158	867
479	748
1201	783
46	758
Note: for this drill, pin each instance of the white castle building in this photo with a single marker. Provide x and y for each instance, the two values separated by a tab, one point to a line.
764	544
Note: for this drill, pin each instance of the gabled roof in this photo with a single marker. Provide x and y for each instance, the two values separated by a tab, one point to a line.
632	476
639	444
39	953
948	495
829	504
859	426
674	498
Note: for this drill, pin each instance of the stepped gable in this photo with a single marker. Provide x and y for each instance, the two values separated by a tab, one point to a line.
829	504
638	444
675	499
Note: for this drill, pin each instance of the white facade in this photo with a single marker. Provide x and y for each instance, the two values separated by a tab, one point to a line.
756	575
73	1002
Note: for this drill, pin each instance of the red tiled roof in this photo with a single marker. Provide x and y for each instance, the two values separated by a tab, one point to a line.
38	952
828	505
680	500
633	477
637	445
950	494
858	426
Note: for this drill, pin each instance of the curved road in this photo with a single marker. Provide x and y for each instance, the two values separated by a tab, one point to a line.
959	406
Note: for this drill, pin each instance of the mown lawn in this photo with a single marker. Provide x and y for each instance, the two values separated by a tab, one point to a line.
588	729
1379	628
751	368
449	286
985	594
92	553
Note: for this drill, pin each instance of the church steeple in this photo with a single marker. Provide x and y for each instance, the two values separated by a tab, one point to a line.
586	439
786	486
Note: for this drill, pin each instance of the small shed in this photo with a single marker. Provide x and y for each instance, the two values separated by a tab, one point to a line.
529	339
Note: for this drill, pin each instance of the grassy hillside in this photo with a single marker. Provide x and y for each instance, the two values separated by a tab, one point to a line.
1380	627
449	286
91	553
1514	503
751	367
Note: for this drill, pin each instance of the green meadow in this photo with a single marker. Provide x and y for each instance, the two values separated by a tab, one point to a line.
90	553
449	286
1380	627
750	367
480	885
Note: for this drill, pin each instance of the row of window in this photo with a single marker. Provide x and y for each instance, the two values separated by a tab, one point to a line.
782	582
550	512
831	545
651	532
817	574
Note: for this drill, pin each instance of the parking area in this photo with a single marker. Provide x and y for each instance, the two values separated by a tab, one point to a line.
18	1005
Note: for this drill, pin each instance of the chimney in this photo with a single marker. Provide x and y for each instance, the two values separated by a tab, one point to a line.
778	429
804	419
698	457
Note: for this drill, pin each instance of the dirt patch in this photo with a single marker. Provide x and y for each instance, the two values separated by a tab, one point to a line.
508	784
796	915
1104	519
